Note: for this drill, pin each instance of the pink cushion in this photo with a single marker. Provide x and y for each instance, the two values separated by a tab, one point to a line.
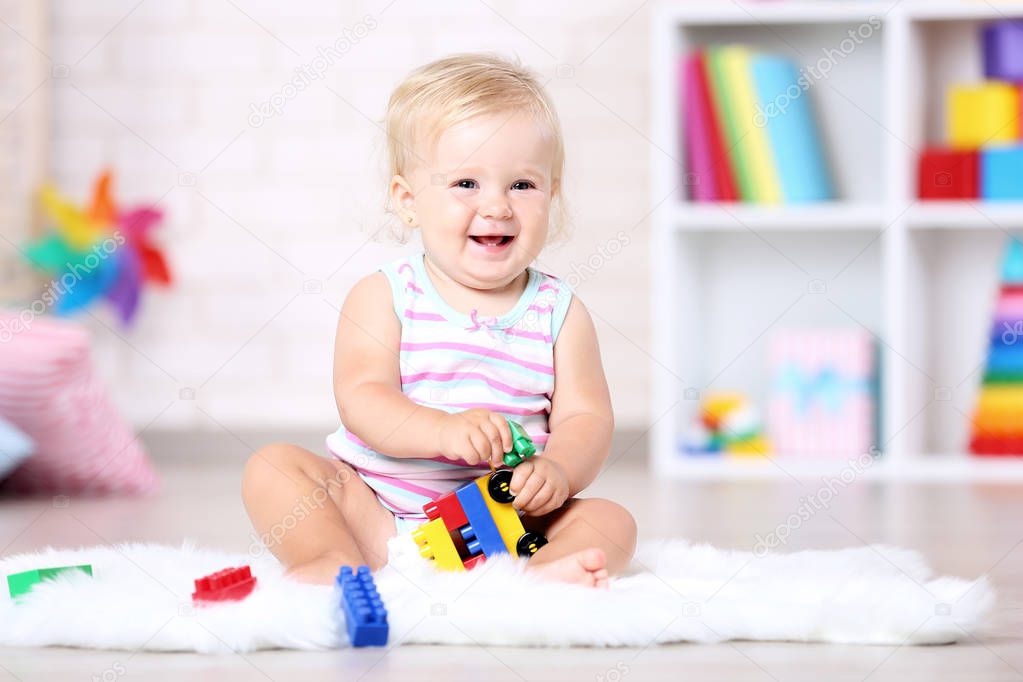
49	390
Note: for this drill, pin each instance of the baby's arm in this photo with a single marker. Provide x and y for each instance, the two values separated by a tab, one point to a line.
367	388
580	422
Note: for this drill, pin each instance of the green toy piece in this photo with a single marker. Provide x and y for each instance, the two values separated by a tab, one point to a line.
522	446
22	583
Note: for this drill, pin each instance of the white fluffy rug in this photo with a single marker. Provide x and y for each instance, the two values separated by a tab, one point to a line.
140	599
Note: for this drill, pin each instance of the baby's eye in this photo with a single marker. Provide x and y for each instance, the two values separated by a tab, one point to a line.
466	184
518	185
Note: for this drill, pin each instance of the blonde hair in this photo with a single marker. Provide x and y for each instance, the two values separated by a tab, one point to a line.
446	92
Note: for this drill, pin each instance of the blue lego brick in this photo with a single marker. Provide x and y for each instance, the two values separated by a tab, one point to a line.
365	615
1001	172
481	521
471	543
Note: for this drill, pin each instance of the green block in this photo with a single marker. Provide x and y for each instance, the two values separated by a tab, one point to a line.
1003	378
522	445
22	583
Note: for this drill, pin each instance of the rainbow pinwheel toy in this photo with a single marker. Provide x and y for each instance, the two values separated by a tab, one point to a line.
97	252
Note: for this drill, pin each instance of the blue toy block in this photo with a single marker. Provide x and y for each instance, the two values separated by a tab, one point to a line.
472	544
365	615
482	523
1012	263
1001	172
1003	50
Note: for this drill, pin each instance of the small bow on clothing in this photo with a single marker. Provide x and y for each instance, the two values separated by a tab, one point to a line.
486	323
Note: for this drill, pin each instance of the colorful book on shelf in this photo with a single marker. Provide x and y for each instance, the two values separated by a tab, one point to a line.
784	111
998	418
724	171
725	109
759	182
700	178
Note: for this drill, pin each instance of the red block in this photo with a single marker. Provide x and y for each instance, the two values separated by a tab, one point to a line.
948	174
449	508
471	562
230	584
996	446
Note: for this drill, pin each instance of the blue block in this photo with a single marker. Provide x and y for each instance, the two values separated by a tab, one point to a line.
1012	262
482	522
1001	172
365	615
471	543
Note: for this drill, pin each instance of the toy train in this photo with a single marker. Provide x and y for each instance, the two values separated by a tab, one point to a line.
478	520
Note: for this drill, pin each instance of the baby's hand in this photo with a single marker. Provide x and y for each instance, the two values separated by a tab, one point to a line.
542	486
477	436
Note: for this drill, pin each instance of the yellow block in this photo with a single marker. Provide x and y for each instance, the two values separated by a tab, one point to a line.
1000	399
505	517
757	445
982	114
435	543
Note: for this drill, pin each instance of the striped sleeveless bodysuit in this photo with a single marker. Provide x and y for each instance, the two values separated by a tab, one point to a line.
455	362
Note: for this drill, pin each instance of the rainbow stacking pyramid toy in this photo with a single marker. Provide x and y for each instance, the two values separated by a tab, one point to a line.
998	419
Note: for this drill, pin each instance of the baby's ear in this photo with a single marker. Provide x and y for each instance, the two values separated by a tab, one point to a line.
403	200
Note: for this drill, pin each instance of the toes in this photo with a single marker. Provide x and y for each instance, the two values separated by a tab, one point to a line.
592	559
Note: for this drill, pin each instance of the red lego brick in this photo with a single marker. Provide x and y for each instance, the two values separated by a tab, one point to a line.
948	174
996	446
229	584
472	561
449	508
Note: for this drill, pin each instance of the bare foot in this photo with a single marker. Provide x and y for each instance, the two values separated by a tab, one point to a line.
586	567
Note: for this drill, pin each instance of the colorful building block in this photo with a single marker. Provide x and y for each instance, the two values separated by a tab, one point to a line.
982	114
483	526
1003	50
363	609
522	446
22	583
477	520
229	584
447	508
435	543
948	174
1001	172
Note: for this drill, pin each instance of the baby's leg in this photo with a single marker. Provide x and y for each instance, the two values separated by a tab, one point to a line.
314	514
588	539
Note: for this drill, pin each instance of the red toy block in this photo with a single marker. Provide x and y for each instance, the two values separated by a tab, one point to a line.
996	446
449	508
948	174
478	559
229	584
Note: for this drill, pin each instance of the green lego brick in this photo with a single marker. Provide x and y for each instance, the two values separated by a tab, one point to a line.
1003	378
522	445
22	583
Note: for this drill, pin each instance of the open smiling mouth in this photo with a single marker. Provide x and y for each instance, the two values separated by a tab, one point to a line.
495	240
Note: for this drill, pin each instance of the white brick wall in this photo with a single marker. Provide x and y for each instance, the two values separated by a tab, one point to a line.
164	88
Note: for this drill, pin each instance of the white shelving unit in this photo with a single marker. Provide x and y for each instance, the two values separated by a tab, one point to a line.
919	275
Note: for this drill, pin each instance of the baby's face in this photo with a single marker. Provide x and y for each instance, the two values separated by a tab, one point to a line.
483	203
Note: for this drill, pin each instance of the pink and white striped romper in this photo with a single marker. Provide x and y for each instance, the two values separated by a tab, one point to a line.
455	362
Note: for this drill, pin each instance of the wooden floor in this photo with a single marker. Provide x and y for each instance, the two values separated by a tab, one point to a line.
966	530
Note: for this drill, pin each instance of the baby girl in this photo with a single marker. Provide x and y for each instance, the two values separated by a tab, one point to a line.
436	351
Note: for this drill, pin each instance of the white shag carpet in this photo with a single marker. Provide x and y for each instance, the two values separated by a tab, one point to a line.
140	598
